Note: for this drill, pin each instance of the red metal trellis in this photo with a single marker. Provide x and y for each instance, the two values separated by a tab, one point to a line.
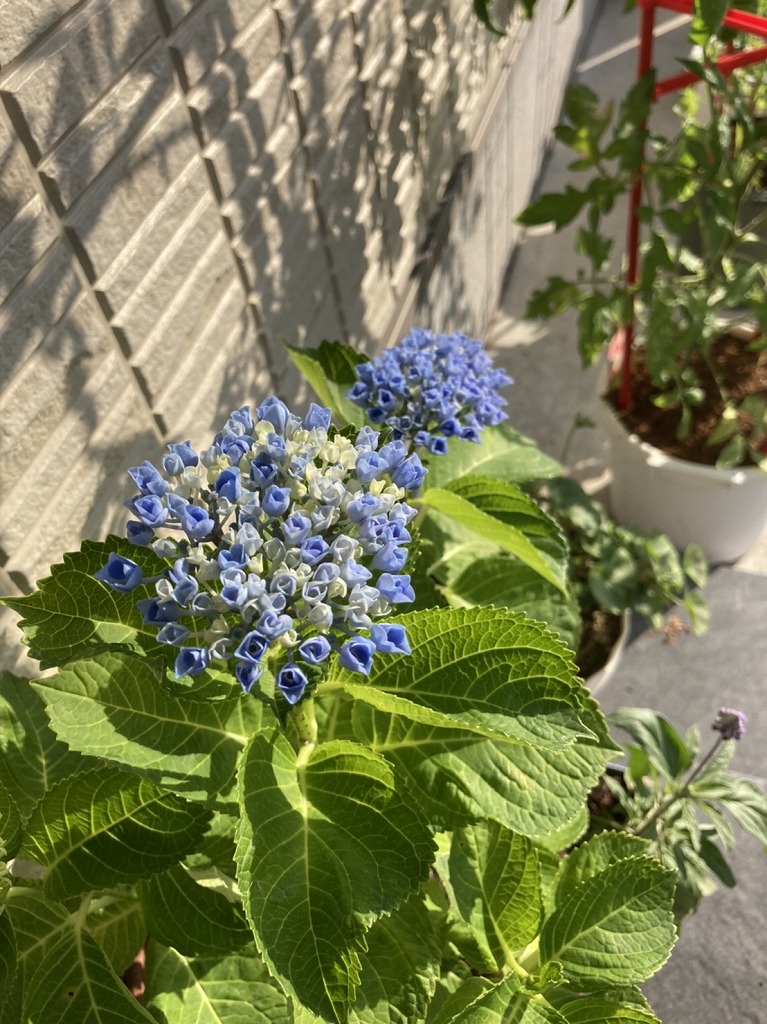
742	21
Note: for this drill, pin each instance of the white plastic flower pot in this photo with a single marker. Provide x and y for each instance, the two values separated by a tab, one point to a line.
722	510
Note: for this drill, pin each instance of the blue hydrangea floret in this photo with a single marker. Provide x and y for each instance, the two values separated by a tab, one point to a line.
431	387
283	535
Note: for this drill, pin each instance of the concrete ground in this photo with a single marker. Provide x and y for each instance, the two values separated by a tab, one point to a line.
718	972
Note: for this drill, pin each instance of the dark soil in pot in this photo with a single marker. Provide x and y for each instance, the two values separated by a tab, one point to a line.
744	373
600	632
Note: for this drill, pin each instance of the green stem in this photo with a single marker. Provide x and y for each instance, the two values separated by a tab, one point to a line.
304	722
652	816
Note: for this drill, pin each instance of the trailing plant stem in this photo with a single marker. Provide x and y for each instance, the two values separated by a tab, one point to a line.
652	816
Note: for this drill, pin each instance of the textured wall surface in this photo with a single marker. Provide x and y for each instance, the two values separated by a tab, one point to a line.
184	183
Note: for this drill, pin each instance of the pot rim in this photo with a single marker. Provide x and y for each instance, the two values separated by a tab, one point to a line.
657	458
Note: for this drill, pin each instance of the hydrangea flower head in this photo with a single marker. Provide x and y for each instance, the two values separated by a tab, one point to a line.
730	723
282	535
431	387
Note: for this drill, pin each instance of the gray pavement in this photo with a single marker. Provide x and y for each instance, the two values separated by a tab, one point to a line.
718	972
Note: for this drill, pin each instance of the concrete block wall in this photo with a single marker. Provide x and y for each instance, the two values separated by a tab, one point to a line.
184	184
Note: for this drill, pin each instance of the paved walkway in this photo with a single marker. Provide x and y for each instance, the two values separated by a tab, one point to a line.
718	972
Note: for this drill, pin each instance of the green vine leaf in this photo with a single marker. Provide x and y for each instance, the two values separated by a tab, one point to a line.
113	706
212	990
616	927
103	827
329	369
195	919
493	876
492	672
325	843
71	614
31	758
65	977
504	454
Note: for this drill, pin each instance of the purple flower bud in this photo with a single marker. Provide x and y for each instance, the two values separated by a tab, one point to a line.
314	650
357	654
313	549
241	419
252	647
228	483
390	638
291	682
438	446
730	723
276	412
172	633
149	509
296	528
234	557
273	625
367	440
410	474
148	479
390	558
276	501
361	508
191	661
396	589
262	471
120	573
139	534
185	452
154	613
196	522
318	418
370	465
247	675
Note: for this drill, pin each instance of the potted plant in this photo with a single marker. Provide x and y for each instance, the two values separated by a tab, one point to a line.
690	423
684	801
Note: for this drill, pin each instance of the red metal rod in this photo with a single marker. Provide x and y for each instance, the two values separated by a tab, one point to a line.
725	64
755	24
644	62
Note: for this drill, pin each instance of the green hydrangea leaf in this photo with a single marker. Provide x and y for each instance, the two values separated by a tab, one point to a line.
586	1008
616	927
195	919
400	967
493	878
65	977
508	583
468	512
116	921
72	615
458	777
489	671
508	1003
8	954
326	842
329	369
212	990
99	828
503	454
11	826
113	706
594	856
31	758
